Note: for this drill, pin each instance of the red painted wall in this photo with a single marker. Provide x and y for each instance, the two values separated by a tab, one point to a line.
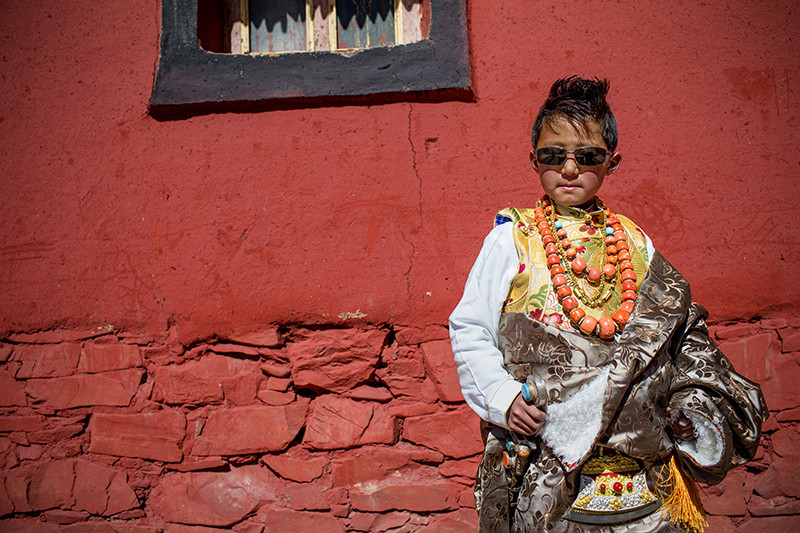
171	233
222	222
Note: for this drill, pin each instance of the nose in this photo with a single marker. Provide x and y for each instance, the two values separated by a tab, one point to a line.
570	167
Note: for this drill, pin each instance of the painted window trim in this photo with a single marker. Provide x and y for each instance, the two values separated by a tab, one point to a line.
190	78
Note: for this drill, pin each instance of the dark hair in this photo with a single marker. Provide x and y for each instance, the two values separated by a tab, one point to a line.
578	101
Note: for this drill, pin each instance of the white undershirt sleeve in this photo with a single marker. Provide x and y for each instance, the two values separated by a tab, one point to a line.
485	384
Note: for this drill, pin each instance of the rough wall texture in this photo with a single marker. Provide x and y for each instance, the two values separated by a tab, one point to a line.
236	321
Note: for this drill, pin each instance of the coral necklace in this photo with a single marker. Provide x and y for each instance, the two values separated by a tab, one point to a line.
566	267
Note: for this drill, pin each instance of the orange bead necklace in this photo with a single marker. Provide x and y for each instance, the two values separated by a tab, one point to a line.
566	267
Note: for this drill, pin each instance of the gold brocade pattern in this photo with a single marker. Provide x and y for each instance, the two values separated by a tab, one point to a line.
531	290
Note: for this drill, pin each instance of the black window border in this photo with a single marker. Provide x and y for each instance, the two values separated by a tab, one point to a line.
191	80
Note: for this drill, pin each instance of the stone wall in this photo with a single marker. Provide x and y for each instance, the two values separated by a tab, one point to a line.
321	430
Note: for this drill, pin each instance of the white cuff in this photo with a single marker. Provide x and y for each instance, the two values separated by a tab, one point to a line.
500	403
707	448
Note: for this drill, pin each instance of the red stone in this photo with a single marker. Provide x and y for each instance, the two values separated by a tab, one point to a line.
276	398
441	369
455	522
223	348
243	430
31	525
336	422
786	443
420	496
51	485
790	339
12	392
198	464
306	497
109	388
779	505
60	516
402	361
268	338
283	521
755	356
278	370
47	360
296	468
335	360
375	463
101	490
782	390
278	384
466	468
786	524
210	379
370	393
21	423
218	499
104	357
413	335
406	407
58	434
728	497
454	433
155	435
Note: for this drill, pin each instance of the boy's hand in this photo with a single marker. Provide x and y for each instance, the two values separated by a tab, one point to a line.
682	427
523	418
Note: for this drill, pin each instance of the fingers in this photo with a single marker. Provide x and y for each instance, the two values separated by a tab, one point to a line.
523	418
682	427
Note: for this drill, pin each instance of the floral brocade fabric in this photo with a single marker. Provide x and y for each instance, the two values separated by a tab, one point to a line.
531	291
662	360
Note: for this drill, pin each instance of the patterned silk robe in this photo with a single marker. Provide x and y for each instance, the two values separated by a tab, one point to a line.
663	360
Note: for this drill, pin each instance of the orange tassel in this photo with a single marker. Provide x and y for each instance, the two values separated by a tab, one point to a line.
683	503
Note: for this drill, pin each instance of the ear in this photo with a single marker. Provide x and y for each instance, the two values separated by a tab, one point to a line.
534	161
613	162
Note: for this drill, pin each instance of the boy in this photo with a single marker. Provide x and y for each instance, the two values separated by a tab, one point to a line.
580	347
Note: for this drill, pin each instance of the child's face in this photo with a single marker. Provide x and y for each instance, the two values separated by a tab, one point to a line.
570	183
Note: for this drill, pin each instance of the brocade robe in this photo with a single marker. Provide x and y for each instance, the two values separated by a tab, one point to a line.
662	361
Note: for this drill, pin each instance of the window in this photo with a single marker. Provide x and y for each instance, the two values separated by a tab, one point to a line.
276	26
220	54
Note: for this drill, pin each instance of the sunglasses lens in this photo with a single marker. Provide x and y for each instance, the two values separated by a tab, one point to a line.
590	156
551	156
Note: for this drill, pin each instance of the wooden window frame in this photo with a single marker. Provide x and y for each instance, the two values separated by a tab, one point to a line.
191	80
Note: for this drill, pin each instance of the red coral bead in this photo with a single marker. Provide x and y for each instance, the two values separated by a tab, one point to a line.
621	317
609	270
588	324
627	306
628	274
553	260
548	238
629	296
622	245
602	487
607	328
559	280
611	249
569	303
563	292
558	269
628	285
551	249
624	255
571	253
578	265
593	275
561	233
630	485
577	315
617	487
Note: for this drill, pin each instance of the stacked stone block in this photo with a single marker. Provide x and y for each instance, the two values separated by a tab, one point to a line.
358	429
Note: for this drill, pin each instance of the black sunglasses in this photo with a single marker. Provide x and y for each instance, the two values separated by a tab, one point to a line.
587	156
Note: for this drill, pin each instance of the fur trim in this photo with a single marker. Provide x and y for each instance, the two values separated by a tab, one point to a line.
706	449
571	427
